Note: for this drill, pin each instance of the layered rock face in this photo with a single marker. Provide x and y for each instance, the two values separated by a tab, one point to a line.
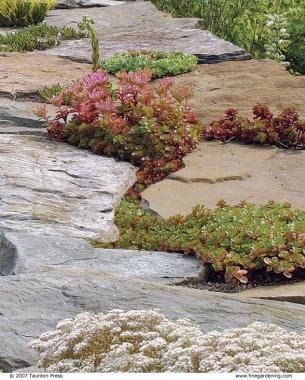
48	188
57	278
139	25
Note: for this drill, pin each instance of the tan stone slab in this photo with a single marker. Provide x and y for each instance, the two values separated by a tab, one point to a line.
241	85
232	172
289	292
23	75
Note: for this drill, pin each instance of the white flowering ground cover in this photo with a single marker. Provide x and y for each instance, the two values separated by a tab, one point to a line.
146	341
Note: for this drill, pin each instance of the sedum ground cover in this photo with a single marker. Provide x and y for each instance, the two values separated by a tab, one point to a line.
37	37
149	125
161	63
286	130
146	341
240	243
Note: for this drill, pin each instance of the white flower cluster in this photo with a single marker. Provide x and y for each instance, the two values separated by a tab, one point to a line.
278	37
146	341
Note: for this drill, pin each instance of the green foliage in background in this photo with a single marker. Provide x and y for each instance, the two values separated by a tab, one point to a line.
245	23
37	37
236	242
161	63
24	12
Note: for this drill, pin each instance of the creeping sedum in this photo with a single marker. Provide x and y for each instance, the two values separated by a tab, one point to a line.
146	341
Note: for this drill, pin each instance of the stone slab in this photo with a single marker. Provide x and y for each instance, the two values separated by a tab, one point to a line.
22	75
68	4
33	303
241	85
161	267
49	188
138	26
24	253
233	171
294	292
18	118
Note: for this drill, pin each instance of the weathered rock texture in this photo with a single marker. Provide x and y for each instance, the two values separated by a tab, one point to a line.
22	253
241	85
140	25
50	188
86	3
233	171
22	75
294	292
68	280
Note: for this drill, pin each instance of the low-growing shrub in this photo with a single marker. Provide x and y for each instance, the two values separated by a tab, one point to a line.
146	341
37	37
242	243
161	63
285	130
149	125
24	12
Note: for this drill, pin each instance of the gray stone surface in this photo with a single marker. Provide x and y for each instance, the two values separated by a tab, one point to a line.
23	253
139	25
57	278
18	118
85	3
49	188
33	303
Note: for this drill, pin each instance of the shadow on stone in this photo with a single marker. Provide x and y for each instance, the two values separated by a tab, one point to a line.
8	256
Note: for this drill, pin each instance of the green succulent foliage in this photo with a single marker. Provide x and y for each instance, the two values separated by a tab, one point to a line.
245	23
48	92
37	37
235	241
24	12
161	63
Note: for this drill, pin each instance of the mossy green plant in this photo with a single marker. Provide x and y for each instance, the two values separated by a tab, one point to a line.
237	243
37	37
160	62
48	92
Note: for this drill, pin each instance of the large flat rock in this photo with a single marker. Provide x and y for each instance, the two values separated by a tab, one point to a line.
50	188
22	75
46	279
139	25
233	171
68	4
33	303
22	253
241	85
